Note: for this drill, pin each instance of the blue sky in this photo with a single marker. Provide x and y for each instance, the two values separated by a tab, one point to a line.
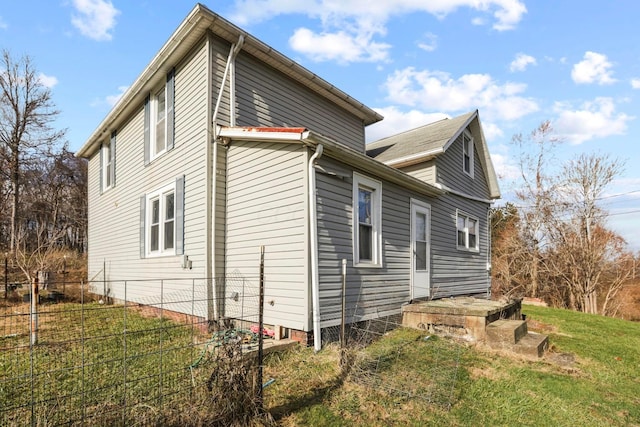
576	63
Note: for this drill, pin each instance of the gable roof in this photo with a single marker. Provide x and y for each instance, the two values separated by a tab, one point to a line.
185	37
429	141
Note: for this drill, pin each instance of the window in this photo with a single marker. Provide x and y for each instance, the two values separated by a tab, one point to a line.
367	229
159	120
161	221
467	228
159	128
108	163
467	153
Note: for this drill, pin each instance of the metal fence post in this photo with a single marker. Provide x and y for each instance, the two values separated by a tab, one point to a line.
343	338
6	275
260	329
34	310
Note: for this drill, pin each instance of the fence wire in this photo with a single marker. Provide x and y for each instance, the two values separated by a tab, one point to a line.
424	365
138	357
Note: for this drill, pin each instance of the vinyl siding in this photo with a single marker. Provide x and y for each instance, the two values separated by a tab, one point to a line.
425	171
453	271
268	98
371	292
266	205
451	174
375	292
114	217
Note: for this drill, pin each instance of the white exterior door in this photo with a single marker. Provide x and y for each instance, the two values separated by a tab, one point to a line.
420	249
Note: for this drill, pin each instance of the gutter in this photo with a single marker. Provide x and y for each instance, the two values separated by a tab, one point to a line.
313	225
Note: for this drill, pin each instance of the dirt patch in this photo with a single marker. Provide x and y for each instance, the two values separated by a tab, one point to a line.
543	328
565	360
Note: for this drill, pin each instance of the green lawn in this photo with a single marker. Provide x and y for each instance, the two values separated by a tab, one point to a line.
438	382
107	366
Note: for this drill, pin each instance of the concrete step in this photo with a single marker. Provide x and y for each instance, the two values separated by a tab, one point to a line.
532	344
504	331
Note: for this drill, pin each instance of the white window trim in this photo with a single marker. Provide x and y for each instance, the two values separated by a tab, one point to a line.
153	104
361	181
471	153
105	156
159	194
467	217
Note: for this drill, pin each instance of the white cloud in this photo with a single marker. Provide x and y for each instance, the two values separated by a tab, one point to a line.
429	43
594	68
594	119
47	81
396	121
491	131
95	18
507	13
358	22
3	25
113	99
110	100
437	90
521	62
635	83
340	46
505	167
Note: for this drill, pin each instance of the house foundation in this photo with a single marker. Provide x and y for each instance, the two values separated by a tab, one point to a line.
467	317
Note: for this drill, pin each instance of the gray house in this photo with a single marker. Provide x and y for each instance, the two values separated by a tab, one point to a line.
223	145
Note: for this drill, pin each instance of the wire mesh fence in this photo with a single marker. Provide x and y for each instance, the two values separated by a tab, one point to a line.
144	356
143	352
424	365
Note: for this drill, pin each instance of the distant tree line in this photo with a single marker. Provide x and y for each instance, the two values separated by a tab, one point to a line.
42	185
553	243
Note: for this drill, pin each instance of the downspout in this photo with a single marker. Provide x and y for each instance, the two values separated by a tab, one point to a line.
315	279
233	52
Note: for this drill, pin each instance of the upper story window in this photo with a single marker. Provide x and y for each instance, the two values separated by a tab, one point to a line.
159	120
467	153
108	163
367	220
467	231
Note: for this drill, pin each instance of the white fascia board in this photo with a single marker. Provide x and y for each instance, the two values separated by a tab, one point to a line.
244	134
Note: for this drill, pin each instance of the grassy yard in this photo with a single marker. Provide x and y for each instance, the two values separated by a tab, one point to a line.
94	364
591	377
103	365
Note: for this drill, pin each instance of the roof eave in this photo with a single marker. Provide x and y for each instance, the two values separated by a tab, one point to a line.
362	161
193	27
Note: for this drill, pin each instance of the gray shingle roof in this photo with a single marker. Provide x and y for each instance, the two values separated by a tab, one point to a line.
421	144
429	138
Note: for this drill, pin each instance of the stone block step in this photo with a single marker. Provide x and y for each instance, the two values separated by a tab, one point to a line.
505	331
532	344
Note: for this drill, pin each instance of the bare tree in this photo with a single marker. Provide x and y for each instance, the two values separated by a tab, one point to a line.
536	194
509	253
27	112
586	251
